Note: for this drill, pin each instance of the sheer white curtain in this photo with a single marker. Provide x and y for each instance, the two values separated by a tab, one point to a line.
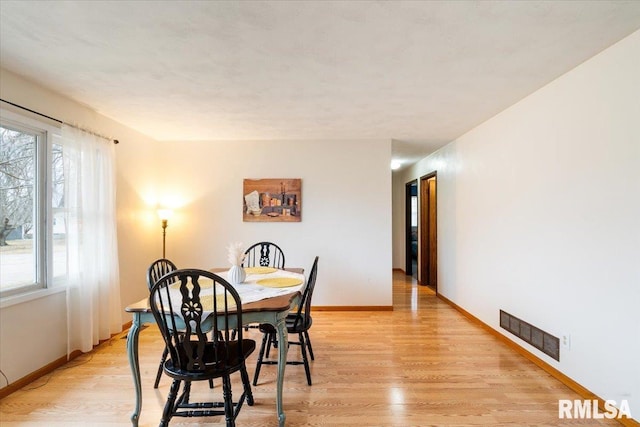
93	284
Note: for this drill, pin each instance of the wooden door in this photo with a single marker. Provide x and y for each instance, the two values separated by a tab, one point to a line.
428	231
433	235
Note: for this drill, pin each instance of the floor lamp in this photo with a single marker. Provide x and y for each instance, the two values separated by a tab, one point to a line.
164	215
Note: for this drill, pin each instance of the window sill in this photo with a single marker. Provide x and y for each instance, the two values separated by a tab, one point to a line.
30	296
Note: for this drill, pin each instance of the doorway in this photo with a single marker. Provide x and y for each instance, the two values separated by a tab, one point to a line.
411	227
428	253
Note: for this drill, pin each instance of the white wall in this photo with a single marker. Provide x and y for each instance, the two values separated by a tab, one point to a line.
44	319
539	215
346	210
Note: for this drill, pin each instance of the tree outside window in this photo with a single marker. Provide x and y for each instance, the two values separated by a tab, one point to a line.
30	192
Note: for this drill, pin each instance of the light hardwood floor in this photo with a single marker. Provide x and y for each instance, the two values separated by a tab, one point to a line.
422	364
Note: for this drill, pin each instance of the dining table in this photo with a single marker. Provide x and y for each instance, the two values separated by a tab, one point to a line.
267	295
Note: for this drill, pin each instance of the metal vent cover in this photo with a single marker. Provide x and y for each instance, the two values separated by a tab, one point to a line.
538	338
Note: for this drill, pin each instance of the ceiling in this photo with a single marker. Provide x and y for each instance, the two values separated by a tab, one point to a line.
418	73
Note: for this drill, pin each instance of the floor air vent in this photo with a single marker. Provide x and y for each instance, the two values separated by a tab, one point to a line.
538	338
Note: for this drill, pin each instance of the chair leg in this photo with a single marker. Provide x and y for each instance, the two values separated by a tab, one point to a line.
186	394
165	353
271	340
168	411
305	361
228	402
265	337
247	386
210	383
306	335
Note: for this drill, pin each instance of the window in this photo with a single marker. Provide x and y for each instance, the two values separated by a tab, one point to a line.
32	236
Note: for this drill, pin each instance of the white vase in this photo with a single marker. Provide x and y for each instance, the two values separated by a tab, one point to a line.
236	274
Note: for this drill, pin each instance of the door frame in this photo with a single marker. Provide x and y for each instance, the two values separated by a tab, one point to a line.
428	248
407	225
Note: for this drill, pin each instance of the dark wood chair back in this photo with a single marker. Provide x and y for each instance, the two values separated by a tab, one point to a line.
157	269
264	254
181	302
303	314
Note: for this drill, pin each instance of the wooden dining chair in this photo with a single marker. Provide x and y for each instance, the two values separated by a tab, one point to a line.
156	270
298	322
185	310
264	254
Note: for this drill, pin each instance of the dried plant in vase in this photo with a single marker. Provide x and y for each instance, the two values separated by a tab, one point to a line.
236	257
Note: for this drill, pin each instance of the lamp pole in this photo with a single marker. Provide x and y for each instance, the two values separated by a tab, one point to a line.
164	237
164	215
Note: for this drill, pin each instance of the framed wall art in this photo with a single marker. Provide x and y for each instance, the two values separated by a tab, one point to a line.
272	200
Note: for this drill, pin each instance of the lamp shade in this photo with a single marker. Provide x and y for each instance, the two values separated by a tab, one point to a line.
165	214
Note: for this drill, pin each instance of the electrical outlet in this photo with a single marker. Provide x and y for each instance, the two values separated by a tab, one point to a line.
565	341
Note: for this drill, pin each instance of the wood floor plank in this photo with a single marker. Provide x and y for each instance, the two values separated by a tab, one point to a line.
422	364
